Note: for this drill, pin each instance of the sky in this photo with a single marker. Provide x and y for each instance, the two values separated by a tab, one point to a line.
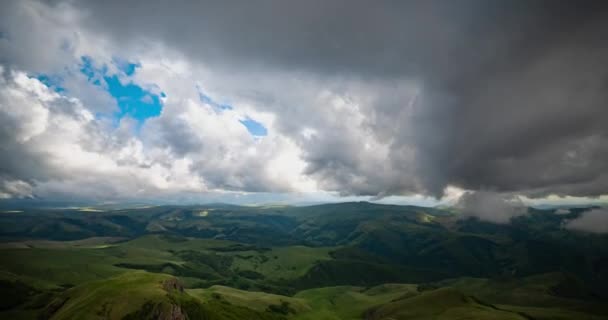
476	103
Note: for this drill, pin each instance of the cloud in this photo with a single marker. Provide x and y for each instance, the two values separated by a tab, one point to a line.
509	96
389	98
56	147
15	189
490	206
50	138
593	221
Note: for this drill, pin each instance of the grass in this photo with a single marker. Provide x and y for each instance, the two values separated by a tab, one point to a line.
555	313
75	262
69	263
343	302
93	242
348	302
99	288
443	303
528	291
49	268
168	242
259	301
112	298
144	295
281	262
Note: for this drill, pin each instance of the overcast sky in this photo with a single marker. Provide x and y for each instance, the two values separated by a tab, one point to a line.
296	101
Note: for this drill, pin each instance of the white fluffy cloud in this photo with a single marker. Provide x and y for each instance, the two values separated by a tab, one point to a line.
189	148
75	154
192	146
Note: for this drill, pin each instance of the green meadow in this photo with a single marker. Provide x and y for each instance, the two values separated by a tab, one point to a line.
384	263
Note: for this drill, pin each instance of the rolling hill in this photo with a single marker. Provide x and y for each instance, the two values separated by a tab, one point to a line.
335	261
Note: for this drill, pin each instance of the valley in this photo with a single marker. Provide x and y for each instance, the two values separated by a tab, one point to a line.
334	261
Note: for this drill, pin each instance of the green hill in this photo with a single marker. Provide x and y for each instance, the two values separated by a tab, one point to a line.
444	303
142	295
333	261
113	298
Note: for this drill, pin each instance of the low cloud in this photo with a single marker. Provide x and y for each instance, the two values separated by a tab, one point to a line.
490	206
593	221
15	189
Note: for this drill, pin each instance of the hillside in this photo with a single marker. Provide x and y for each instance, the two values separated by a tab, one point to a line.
337	261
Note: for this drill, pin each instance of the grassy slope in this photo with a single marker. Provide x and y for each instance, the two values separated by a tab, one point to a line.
403	301
165	243
444	303
127	292
274	263
93	242
143	295
395	234
347	302
69	265
258	301
281	262
343	302
389	301
72	266
556	313
112	298
533	296
50	268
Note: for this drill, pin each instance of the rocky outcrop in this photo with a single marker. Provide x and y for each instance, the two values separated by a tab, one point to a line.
158	311
173	285
174	313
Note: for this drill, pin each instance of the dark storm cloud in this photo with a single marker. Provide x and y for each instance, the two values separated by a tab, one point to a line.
424	38
391	37
514	92
535	122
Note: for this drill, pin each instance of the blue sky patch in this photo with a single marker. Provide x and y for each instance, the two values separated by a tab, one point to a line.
125	66
255	128
88	69
208	100
132	100
53	82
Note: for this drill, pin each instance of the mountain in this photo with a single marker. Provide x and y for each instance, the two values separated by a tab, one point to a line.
295	257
